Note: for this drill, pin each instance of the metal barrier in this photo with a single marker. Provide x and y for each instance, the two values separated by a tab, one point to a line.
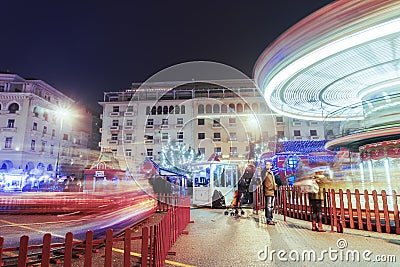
156	241
354	210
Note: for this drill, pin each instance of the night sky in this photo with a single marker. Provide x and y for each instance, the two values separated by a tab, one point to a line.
84	48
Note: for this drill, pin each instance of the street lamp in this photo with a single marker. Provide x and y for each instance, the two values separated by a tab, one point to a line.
62	114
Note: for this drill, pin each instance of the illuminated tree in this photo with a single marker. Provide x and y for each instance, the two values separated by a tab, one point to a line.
176	156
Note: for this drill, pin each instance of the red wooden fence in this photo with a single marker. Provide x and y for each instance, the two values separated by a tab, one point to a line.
365	211
156	240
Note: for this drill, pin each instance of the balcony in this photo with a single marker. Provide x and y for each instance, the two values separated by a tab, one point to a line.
113	142
217	139
130	114
9	129
130	127
114	128
114	114
164	126
314	137
297	123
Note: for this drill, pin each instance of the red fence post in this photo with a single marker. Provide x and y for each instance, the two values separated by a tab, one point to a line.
145	245
108	248
396	213
1	250
46	250
23	251
359	213
386	212
377	212
68	249
88	249
367	210
350	208
127	247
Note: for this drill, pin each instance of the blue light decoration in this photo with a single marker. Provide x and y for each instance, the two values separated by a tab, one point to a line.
292	156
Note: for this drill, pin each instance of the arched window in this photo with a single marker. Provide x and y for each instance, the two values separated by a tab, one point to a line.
0	106
216	108
153	111
159	110
183	109
239	108
49	167
147	110
177	109
13	108
171	109
232	108
200	109
46	116
224	108
246	108
255	107
165	110
208	108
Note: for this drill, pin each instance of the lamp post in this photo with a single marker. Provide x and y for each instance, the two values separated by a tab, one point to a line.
61	113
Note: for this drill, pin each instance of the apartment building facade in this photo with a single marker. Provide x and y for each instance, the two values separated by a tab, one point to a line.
35	138
226	118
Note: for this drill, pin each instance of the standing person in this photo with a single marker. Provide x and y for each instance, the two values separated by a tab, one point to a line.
269	187
316	203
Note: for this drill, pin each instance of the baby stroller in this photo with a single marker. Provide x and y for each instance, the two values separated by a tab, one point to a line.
235	206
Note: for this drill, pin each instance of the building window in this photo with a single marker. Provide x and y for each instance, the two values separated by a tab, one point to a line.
65	137
46	116
115	123
43	146
165	110
34	127
10	123
147	110
115	109
217	137
129	123
150	152
44	129
51	149
200	121
129	137
279	119
231	108
165	136
224	108
280	134
201	135
159	110
177	109
233	150
53	133
296	133
114	137
150	123
217	151
313	132
217	123
171	110
128	152
232	120
179	135
8	143
233	136
200	109
13	108
208	108
216	108
164	122
33	143
179	121
129	109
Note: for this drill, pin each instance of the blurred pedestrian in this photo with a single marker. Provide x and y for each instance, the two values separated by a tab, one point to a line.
269	188
316	202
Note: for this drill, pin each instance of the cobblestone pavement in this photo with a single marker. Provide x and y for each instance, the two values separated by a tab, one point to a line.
215	239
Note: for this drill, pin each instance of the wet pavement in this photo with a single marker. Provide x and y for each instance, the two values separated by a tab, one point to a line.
216	239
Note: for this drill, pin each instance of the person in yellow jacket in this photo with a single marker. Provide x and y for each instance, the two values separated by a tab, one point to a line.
269	188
